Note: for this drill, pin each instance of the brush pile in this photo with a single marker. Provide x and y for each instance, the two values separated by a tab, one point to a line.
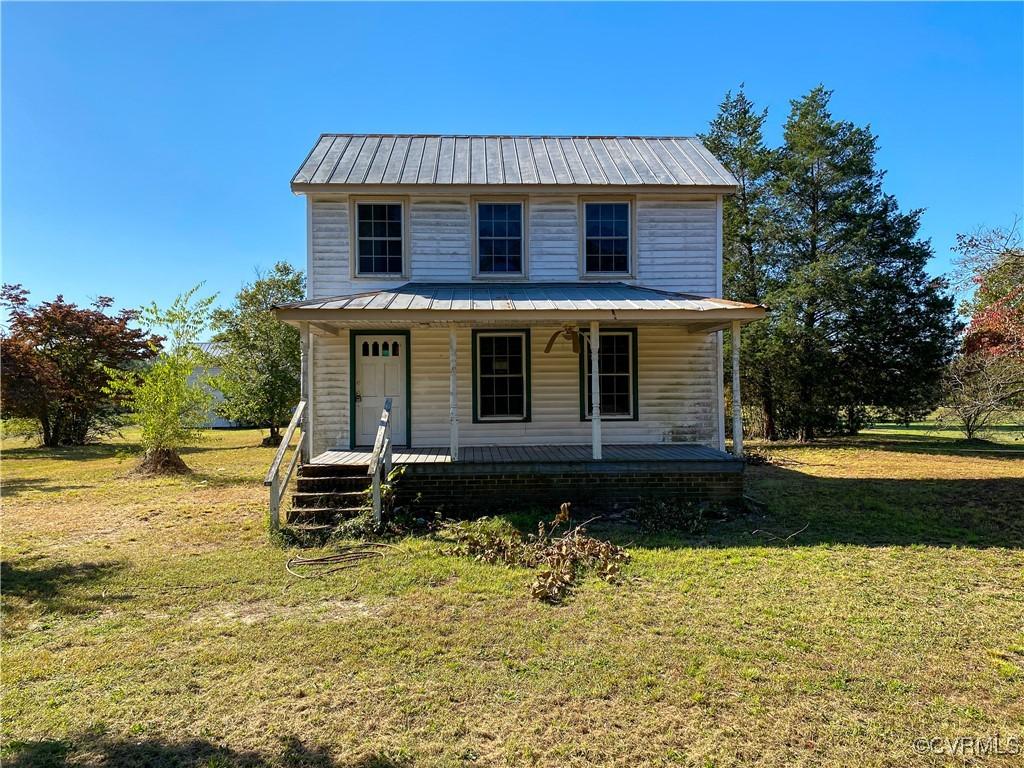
561	560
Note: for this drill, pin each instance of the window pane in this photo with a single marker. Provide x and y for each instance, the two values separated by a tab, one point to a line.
616	375
379	243
499	235
501	379
606	245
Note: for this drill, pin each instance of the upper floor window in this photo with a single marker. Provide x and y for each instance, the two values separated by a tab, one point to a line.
499	228
606	247
379	236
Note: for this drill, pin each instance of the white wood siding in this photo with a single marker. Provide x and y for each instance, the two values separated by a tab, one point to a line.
676	244
330	391
440	241
329	246
554	240
676	392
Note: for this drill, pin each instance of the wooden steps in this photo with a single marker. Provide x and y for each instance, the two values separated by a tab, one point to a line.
329	493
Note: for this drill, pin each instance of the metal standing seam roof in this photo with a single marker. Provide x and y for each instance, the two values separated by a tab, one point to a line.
520	297
367	159
213	348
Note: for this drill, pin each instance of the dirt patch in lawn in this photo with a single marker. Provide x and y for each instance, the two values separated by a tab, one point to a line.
259	611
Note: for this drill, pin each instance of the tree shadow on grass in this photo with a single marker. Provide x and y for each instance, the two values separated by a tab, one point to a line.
55	586
795	509
874	512
17	486
91	749
94	451
90	452
924	440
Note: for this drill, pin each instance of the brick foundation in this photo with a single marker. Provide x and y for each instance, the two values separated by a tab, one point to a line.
475	489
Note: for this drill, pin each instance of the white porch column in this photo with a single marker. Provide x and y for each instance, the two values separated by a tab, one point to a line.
595	388
453	395
737	407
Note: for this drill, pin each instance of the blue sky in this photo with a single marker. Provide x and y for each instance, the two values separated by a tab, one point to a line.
147	147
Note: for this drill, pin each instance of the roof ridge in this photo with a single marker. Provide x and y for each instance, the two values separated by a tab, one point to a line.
690	137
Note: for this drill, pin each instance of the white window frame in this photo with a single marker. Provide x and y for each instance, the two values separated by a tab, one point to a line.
403	204
630	203
634	374
523	272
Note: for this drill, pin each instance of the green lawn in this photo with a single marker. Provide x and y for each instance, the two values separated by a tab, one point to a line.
150	622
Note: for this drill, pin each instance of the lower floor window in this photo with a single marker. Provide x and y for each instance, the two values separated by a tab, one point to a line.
501	365
618	380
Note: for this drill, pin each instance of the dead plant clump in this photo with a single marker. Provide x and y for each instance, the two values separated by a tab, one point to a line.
161	462
561	560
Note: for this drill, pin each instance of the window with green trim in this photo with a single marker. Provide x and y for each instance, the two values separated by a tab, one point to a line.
501	375
618	374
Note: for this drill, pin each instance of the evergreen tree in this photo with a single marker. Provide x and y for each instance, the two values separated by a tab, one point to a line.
749	269
826	185
900	324
854	319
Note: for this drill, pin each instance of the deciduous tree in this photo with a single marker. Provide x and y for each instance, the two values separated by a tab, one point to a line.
260	371
168	398
55	358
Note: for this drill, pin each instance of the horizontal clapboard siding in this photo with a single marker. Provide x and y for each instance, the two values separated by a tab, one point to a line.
554	240
440	240
329	250
677	246
676	392
675	242
330	392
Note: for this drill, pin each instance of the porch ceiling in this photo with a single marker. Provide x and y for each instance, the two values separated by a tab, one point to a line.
447	303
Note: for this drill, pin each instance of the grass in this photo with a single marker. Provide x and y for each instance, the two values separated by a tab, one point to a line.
150	622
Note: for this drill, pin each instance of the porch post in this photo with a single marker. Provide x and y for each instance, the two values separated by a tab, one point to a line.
737	408
595	388
453	395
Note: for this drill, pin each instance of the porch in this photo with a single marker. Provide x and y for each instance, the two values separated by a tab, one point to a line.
536	454
595	393
488	479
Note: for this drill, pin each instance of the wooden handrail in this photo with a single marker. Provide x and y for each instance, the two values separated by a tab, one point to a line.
279	456
381	451
383	427
273	479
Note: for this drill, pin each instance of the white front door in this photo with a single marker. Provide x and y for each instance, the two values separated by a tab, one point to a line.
380	373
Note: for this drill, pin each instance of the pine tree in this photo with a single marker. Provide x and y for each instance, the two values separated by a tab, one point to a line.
735	137
854	319
826	184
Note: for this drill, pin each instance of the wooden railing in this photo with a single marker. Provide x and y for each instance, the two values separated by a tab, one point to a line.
380	459
273	479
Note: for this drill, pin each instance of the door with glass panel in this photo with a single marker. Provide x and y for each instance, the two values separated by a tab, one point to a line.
380	373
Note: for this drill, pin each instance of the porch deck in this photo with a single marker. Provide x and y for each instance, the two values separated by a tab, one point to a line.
536	454
513	475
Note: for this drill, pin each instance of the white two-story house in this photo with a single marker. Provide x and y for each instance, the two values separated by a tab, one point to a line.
467	279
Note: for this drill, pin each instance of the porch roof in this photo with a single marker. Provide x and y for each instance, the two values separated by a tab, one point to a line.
433	302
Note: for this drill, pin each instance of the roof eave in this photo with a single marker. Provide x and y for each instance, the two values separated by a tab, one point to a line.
302	188
414	316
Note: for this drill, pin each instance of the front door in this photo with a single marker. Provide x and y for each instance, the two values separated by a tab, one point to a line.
380	373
